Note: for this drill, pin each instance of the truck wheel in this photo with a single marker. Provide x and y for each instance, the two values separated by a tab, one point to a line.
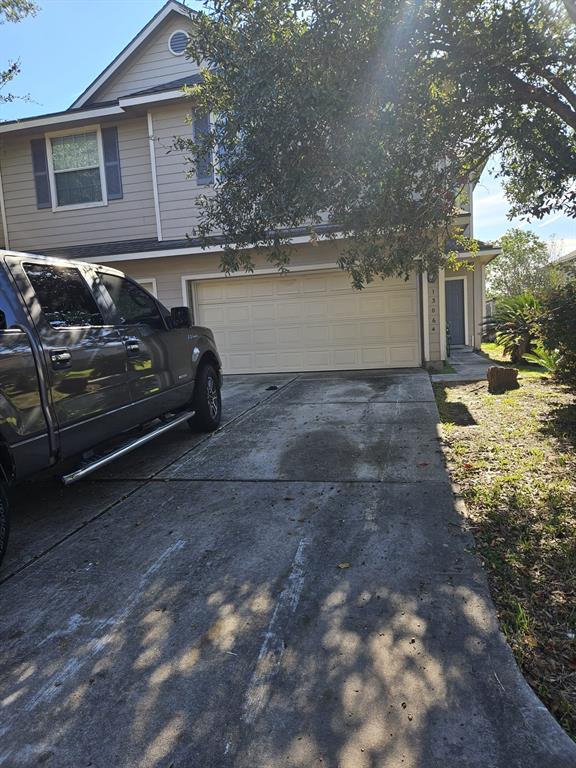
207	401
4	522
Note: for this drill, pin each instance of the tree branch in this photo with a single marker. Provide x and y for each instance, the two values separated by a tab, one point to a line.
562	88
534	93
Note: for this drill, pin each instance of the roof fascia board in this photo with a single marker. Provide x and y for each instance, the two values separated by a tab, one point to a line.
134	101
145	32
196	249
61	119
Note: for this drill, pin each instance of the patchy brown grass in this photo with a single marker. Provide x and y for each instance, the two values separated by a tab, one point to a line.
513	458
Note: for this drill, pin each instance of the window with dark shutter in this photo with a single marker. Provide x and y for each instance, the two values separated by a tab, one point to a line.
204	167
41	177
112	163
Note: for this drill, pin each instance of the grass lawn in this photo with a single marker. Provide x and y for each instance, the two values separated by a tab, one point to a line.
496	353
513	457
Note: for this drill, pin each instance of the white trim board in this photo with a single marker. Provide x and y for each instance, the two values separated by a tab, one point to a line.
3	212
152	148
199	277
191	251
464	278
62	119
442	311
152	98
425	316
140	38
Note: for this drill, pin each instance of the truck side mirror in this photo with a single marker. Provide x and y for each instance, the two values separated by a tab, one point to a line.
181	317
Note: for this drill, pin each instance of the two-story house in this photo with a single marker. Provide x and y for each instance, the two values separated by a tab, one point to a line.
101	181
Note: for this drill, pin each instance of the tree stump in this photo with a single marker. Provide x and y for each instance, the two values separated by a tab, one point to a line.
501	379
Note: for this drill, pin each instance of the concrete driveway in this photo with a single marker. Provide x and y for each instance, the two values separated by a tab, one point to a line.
296	590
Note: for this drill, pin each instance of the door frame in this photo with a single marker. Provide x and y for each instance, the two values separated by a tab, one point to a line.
464	279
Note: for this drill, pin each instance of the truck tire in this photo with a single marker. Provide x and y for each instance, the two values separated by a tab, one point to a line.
4	522
207	401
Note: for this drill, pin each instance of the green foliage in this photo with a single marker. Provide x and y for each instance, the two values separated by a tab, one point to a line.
545	358
557	329
367	116
521	267
13	11
513	324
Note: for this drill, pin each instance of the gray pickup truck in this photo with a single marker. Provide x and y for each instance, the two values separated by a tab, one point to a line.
91	367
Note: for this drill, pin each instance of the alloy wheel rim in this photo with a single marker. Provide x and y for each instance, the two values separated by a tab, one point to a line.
212	396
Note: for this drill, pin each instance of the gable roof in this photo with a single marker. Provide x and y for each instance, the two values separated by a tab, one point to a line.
133	45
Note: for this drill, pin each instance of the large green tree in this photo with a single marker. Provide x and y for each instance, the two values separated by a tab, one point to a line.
523	267
373	112
13	11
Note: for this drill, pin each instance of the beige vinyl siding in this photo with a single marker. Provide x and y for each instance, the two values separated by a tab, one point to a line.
153	64
177	192
169	270
132	217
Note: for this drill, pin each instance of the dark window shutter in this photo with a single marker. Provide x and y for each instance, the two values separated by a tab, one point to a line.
204	167
41	177
112	163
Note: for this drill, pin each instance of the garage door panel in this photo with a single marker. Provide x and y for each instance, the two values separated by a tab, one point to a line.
319	334
310	322
263	311
400	329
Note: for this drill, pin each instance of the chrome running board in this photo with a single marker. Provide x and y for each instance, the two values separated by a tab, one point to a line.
92	466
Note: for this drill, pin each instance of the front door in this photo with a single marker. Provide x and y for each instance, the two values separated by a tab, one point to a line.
455	311
85	358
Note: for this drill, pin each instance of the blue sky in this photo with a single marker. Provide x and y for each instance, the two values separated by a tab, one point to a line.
70	42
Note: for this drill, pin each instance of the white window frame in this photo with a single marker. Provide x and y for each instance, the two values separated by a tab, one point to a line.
144	282
52	175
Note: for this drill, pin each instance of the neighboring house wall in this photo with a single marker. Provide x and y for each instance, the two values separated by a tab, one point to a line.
132	217
150	66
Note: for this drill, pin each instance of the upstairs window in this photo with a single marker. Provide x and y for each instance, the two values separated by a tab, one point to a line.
77	169
76	166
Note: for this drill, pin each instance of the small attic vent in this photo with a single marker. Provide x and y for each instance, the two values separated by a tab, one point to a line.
178	42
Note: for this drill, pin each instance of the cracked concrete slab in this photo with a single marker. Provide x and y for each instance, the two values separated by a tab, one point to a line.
285	439
239	394
310	615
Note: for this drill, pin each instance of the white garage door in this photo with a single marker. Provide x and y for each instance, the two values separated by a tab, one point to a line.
310	322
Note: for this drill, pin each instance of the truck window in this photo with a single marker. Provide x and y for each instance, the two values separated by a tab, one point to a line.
133	305
64	296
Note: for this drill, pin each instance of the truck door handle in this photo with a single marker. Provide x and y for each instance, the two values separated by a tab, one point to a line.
132	347
60	359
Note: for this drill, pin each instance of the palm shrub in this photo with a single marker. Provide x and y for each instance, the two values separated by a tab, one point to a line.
514	324
557	329
545	358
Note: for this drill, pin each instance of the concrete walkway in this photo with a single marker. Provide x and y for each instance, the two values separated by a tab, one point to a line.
297	590
469	365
